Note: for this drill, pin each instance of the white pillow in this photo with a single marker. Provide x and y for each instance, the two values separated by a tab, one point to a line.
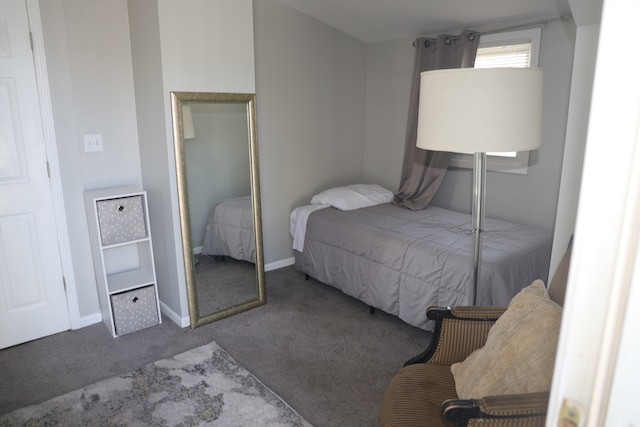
353	196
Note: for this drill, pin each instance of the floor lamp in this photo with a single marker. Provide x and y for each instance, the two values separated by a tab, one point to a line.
480	110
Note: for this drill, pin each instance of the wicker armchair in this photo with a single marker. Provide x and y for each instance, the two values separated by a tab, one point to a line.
423	392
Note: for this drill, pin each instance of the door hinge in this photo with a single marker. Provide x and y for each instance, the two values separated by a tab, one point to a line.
48	169
31	41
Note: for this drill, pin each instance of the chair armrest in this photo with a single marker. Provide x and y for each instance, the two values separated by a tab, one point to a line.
528	409
458	332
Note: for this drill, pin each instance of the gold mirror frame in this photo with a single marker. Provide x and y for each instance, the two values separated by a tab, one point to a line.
177	100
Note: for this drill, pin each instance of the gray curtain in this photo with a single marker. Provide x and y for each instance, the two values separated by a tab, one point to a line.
422	170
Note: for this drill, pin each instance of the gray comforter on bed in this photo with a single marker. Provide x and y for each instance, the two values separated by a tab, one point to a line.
229	230
403	261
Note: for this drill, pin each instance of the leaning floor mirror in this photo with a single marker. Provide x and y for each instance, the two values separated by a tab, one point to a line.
216	151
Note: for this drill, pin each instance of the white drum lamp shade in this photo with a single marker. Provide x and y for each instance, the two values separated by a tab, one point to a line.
472	110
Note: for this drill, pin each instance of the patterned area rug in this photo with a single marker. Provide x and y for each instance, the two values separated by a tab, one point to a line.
203	386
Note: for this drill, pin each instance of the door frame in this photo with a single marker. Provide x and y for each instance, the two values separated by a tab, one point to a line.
51	149
595	369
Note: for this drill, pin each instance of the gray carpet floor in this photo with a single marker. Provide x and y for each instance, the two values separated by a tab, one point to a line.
224	284
318	349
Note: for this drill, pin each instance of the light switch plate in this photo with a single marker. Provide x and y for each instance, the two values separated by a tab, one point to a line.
92	143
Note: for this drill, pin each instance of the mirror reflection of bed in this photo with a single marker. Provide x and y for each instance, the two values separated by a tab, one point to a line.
225	266
218	185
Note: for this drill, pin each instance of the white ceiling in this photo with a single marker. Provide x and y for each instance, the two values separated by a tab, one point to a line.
379	20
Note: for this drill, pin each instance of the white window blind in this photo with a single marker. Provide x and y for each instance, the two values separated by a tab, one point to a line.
510	49
515	55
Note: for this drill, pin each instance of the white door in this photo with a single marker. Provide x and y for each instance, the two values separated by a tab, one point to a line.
32	296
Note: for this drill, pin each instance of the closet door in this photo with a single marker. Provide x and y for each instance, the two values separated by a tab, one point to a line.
32	296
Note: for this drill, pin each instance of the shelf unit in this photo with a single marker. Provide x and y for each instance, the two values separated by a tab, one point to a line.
123	261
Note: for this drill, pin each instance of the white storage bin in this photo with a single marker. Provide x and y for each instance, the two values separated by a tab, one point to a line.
121	220
134	310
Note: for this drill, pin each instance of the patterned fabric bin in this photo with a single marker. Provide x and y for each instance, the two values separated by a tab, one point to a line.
121	220
134	310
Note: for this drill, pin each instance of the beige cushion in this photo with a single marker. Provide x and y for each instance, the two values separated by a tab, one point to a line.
519	353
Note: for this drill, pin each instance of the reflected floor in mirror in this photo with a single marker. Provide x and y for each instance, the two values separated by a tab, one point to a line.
224	282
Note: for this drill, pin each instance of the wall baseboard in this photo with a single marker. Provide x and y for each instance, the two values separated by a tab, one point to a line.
94	318
183	322
89	320
279	264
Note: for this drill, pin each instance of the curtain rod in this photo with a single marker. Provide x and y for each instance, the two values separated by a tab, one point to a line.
540	22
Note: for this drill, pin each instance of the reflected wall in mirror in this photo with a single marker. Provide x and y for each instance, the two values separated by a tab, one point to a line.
216	151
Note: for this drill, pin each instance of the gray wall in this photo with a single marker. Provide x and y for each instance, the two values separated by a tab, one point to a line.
311	89
530	199
389	74
89	66
587	35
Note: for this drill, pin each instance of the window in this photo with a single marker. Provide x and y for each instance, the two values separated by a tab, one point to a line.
509	49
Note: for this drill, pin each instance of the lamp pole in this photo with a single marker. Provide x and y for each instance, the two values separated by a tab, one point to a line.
477	213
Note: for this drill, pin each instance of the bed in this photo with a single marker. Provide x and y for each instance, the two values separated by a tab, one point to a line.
402	261
229	230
